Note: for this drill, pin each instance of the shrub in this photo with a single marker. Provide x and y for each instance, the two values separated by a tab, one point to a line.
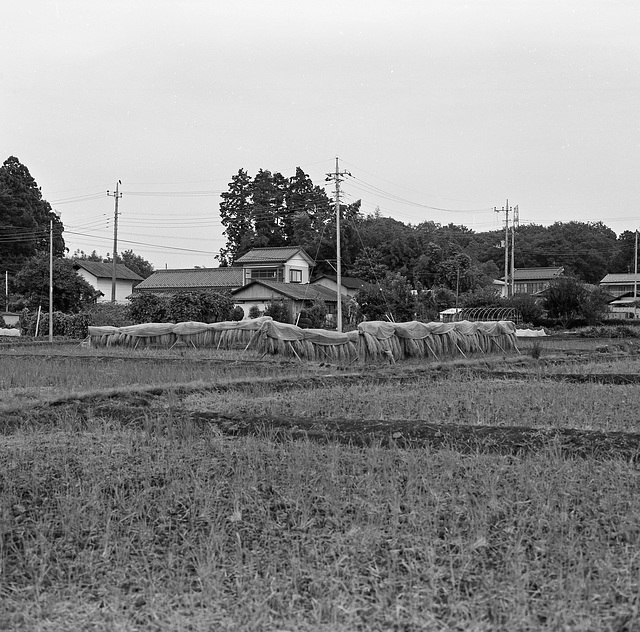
254	311
113	314
237	313
279	310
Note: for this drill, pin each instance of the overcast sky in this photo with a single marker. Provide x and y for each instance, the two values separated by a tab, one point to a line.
440	110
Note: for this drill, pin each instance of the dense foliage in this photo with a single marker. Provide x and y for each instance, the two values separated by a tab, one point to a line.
71	293
25	218
204	307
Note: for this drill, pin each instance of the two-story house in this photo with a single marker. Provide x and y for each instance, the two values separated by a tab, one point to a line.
288	264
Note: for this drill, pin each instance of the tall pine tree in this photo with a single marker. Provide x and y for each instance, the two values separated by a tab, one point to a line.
24	218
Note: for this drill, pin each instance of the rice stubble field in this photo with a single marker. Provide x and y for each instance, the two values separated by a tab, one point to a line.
193	491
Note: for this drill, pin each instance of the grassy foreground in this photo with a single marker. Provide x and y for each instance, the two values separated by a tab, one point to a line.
166	526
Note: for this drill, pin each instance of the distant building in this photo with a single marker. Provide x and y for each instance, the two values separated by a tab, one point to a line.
261	293
531	280
100	276
621	284
349	285
191	280
288	264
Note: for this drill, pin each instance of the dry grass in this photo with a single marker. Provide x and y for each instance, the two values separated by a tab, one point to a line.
172	526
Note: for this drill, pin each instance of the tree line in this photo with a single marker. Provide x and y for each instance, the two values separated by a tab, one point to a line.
444	263
270	210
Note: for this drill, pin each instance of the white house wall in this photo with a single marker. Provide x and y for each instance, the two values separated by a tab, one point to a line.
123	287
297	262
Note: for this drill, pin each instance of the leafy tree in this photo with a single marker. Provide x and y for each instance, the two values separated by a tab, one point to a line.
368	265
148	308
237	313
205	307
432	301
236	216
530	308
314	317
271	210
563	299
136	263
82	255
392	299
279	310
24	218
71	293
625	258
594	304
487	296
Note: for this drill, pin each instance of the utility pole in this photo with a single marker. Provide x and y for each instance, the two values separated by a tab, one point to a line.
506	210
51	280
337	177
117	195
635	278
514	225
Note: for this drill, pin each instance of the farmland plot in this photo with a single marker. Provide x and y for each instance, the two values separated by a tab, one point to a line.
179	492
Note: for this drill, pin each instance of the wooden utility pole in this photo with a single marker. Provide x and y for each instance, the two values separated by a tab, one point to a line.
117	195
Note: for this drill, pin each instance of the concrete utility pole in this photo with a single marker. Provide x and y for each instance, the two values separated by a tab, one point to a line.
117	195
514	225
337	177
635	278
505	210
51	279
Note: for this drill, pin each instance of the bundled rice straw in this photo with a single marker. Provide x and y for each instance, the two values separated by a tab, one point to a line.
372	342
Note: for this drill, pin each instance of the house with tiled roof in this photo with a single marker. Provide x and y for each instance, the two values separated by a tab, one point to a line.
262	292
621	284
288	264
349	285
100	276
625	294
191	280
532	280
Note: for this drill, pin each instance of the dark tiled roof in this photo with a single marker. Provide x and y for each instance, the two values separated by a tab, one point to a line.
192	279
536	274
272	255
621	278
296	291
105	270
350	282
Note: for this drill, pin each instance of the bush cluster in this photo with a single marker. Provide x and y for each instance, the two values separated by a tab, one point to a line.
206	307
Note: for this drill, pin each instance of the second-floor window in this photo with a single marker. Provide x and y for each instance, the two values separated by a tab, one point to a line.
295	276
271	274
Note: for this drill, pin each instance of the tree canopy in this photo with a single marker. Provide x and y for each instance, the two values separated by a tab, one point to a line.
24	218
71	292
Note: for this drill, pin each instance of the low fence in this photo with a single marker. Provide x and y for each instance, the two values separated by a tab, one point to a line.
373	340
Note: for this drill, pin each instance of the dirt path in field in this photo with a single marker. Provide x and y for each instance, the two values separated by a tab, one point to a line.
156	408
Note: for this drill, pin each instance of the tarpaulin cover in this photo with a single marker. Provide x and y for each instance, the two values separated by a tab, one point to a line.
10	332
283	331
379	329
147	330
530	333
416	330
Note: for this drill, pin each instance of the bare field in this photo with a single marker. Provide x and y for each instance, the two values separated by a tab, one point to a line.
178	491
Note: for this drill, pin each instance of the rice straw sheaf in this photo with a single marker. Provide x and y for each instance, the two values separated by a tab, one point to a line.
374	341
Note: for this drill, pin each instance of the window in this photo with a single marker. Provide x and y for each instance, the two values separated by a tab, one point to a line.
271	274
295	276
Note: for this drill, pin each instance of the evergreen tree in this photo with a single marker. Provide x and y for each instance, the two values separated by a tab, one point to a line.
24	218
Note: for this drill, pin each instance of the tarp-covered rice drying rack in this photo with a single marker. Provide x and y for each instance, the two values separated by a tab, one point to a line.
373	340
